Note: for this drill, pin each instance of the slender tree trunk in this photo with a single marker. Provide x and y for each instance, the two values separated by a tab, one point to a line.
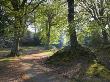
72	30
48	40
105	36
48	36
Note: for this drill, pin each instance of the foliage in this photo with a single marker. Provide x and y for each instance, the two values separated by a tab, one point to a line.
99	11
5	20
90	35
54	10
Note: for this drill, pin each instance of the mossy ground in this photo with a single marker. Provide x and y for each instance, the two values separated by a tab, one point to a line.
68	57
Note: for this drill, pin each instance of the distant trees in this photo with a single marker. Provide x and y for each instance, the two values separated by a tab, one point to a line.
51	20
30	39
53	17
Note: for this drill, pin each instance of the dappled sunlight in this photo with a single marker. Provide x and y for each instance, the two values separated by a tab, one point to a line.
98	70
8	59
10	71
32	68
37	55
24	67
26	76
54	40
4	51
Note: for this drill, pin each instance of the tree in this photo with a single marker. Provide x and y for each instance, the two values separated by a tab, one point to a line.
99	10
49	20
19	10
72	30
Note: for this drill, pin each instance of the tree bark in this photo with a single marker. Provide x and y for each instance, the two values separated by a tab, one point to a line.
48	39
17	35
105	36
48	35
15	47
72	30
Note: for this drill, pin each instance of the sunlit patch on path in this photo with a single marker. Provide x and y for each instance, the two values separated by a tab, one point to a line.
29	68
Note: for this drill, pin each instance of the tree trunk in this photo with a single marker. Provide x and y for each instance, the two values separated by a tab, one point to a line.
72	30
105	36
15	47
48	36
73	40
48	41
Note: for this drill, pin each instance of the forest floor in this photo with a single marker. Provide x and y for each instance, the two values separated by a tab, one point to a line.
28	68
32	68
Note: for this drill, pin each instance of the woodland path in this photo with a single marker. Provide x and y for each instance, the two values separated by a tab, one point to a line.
29	68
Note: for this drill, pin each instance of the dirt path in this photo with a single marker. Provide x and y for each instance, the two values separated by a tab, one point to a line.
28	68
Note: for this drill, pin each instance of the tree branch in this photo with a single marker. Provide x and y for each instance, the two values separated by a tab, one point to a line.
23	3
34	7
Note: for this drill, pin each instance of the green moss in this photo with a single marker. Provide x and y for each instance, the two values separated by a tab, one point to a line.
98	70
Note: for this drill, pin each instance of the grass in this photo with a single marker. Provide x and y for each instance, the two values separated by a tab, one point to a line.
8	59
11	59
3	50
30	48
48	52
